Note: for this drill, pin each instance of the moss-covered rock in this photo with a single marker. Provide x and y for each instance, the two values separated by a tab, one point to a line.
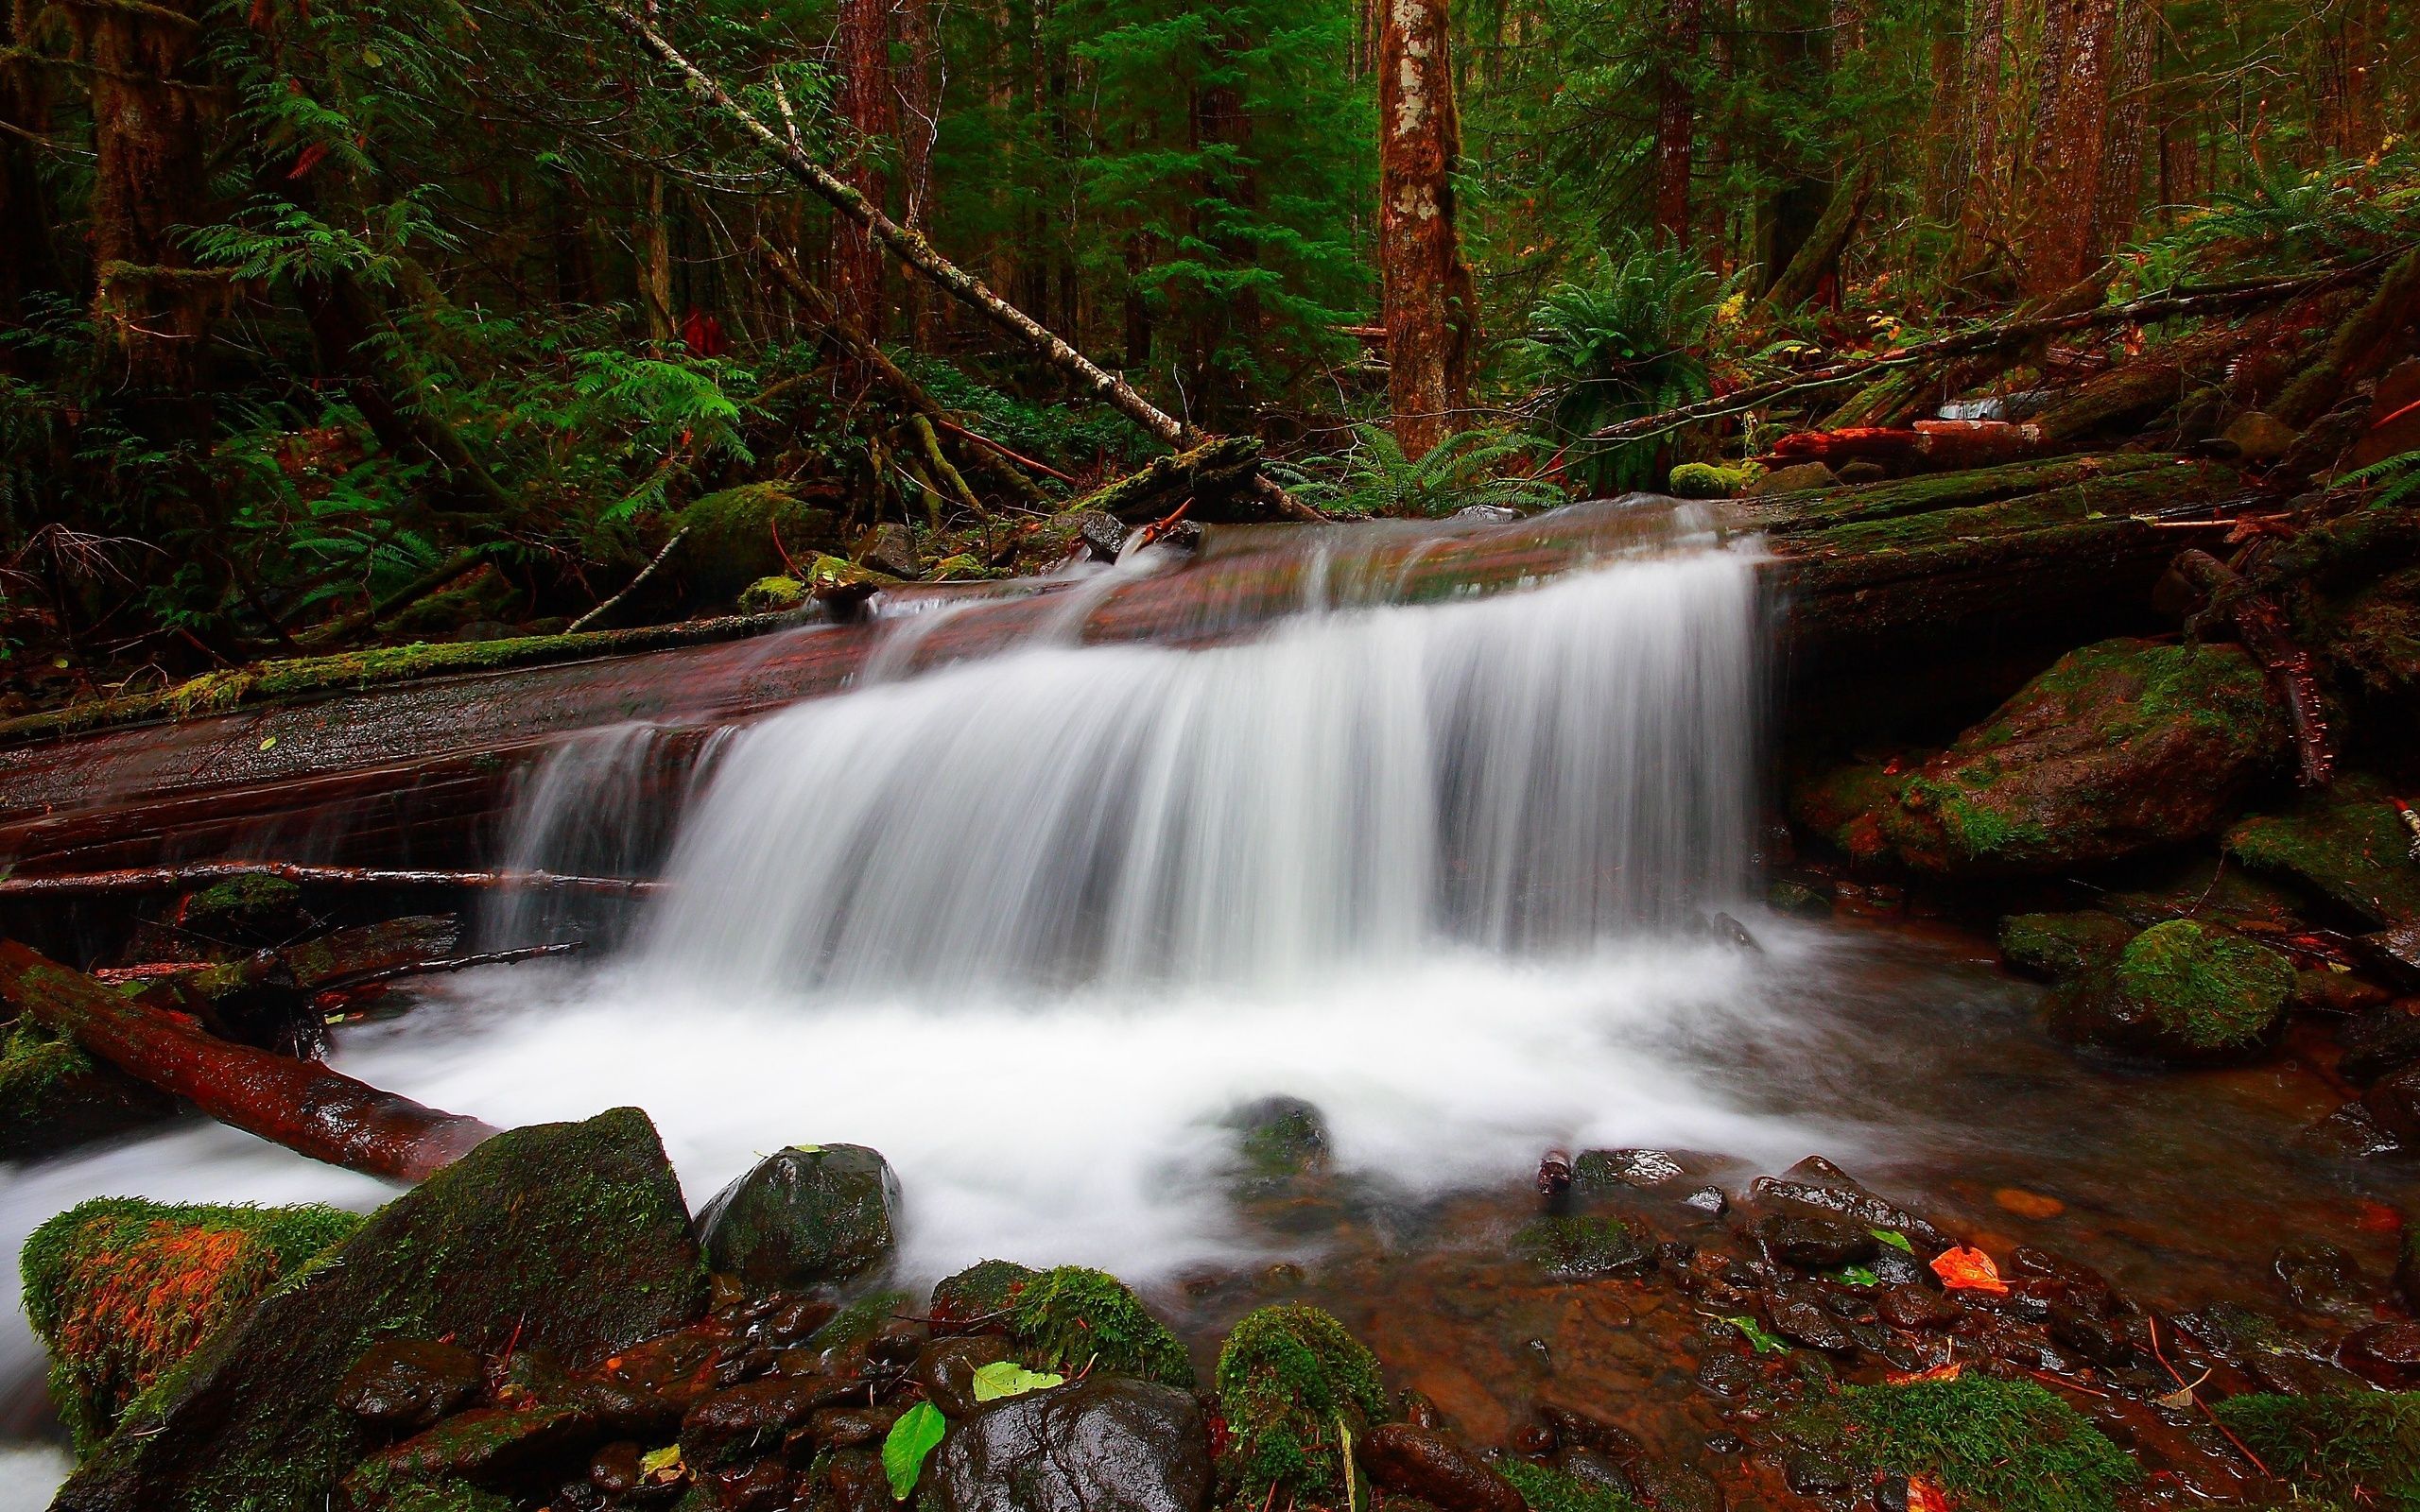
1548	1490
1074	1318
567	1237
1292	1382
1705	480
740	534
1279	1137
2357	1450
2183	992
120	1289
1844	805
2008	1446
2057	947
984	1290
52	1095
2118	747
2345	842
1576	1247
772	595
804	1216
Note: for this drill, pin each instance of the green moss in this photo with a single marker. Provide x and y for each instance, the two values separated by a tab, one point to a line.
1845	804
2345	842
1280	1138
377	1486
2008	1446
1576	1247
2060	946
858	1321
33	1064
2208	989
1931	492
1075	1319
1703	480
241	903
1548	1490
2361	1448
1292	1382
120	1289
767	594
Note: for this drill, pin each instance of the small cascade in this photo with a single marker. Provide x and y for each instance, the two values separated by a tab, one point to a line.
602	804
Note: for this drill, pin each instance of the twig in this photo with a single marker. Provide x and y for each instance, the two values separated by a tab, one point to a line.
450	963
645	573
202	874
2176	1375
955	429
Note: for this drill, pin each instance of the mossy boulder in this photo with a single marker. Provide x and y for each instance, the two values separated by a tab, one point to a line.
2006	1445
119	1289
2060	947
52	1095
565	1237
2354	1449
1844	805
773	595
984	1290
1705	480
1548	1490
1802	478
890	549
1277	1137
1292	1382
2183	993
2345	842
1103	1442
2117	749
804	1216
737	535
1581	1246
1074	1318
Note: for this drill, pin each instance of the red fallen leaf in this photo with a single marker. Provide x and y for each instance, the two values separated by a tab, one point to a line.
2376	1217
1950	1371
1924	1496
1968	1270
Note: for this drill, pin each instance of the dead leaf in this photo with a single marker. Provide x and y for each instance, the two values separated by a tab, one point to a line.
2029	1204
1968	1270
1924	1496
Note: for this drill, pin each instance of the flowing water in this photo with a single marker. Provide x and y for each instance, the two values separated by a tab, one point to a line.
1036	925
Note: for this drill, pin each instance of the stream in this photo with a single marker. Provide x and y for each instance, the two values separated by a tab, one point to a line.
1037	926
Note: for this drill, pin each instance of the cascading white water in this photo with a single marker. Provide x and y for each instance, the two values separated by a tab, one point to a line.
1521	772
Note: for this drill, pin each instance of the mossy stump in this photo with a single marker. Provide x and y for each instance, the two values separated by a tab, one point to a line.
120	1289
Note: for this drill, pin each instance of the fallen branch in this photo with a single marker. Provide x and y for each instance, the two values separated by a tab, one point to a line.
299	1104
2154	307
1018	458
631	587
203	874
2260	627
342	985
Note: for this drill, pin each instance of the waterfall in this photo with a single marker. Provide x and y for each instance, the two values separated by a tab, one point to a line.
1524	772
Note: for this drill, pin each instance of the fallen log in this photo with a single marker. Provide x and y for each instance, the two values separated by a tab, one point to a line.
2359	349
2261	628
303	1106
1934	443
425	770
205	873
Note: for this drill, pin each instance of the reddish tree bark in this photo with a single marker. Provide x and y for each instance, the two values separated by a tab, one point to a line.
1675	119
2122	169
864	101
2071	128
1426	285
919	76
1982	211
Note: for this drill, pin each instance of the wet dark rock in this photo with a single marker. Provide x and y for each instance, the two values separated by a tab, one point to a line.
1578	1248
1724	1443
1709	1200
1601	1171
2323	1279
1814	1244
1491	513
2394	1102
848	1481
1105	1443
492	1447
2060	947
1593	1468
796	1319
2387	1354
1916	1307
2119	747
1425	1463
2381	1042
2344	841
945	1369
2393	953
1280	1137
890	548
1802	1320
615	1469
1817	1183
1735	934
570	1237
806	1215
1894	1266
1668	1486
758	1487
409	1384
1786	896
980	1293
754	1418
2183	993
2068	1280
1103	536
1847	1305
1577	1429
1811	1472
2335	994
898	1341
1729	1374
851	1427
2090	1335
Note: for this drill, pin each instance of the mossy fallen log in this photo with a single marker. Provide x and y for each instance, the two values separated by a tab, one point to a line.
306	1107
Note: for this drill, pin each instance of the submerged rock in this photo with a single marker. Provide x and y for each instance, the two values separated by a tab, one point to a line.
2116	749
120	1290
1580	1248
568	1237
1425	1463
1107	1444
2060	947
1280	1137
2180	991
804	1216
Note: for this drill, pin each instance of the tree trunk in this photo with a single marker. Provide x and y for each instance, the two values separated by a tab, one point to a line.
863	103
1675	119
1426	285
1980	221
2122	170
2070	127
919	89
1819	256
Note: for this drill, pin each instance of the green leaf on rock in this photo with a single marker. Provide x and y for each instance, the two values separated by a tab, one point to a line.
1764	1342
1893	1238
1858	1276
1006	1377
914	1437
